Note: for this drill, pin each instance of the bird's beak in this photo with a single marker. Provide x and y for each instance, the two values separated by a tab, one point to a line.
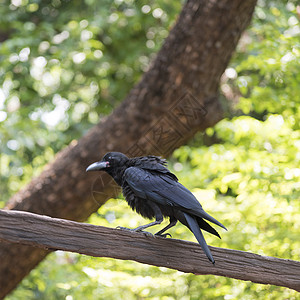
97	166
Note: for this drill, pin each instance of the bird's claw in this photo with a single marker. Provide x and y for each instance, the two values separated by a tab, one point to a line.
123	228
146	233
135	230
129	229
164	235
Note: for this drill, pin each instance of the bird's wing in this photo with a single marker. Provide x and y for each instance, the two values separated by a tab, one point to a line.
155	164
145	184
164	190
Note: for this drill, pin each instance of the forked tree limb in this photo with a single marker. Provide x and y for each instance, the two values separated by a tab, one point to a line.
58	234
177	97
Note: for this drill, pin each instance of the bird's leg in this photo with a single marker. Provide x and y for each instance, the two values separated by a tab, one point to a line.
141	228
173	222
158	219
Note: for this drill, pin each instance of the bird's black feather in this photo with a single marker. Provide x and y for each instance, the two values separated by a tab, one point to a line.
153	191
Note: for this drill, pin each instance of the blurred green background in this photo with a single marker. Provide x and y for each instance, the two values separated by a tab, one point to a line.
64	64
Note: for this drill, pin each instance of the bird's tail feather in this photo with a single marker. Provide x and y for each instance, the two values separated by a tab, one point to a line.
194	227
205	226
208	217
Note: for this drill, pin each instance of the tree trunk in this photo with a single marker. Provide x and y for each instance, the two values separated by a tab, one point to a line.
177	97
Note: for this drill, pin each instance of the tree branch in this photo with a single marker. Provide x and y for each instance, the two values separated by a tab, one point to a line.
58	234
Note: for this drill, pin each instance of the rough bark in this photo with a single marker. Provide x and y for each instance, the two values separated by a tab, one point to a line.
177	97
57	234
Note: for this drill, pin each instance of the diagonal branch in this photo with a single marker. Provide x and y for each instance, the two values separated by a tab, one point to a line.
58	234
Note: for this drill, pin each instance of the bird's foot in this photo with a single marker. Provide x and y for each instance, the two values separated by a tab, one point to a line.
135	230
164	235
124	228
138	229
146	233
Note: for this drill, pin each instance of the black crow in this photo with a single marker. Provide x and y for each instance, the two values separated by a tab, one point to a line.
154	192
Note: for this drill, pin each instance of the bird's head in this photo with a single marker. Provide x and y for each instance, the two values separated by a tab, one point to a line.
110	161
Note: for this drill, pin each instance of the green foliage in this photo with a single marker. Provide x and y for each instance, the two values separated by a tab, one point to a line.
64	64
267	63
248	179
